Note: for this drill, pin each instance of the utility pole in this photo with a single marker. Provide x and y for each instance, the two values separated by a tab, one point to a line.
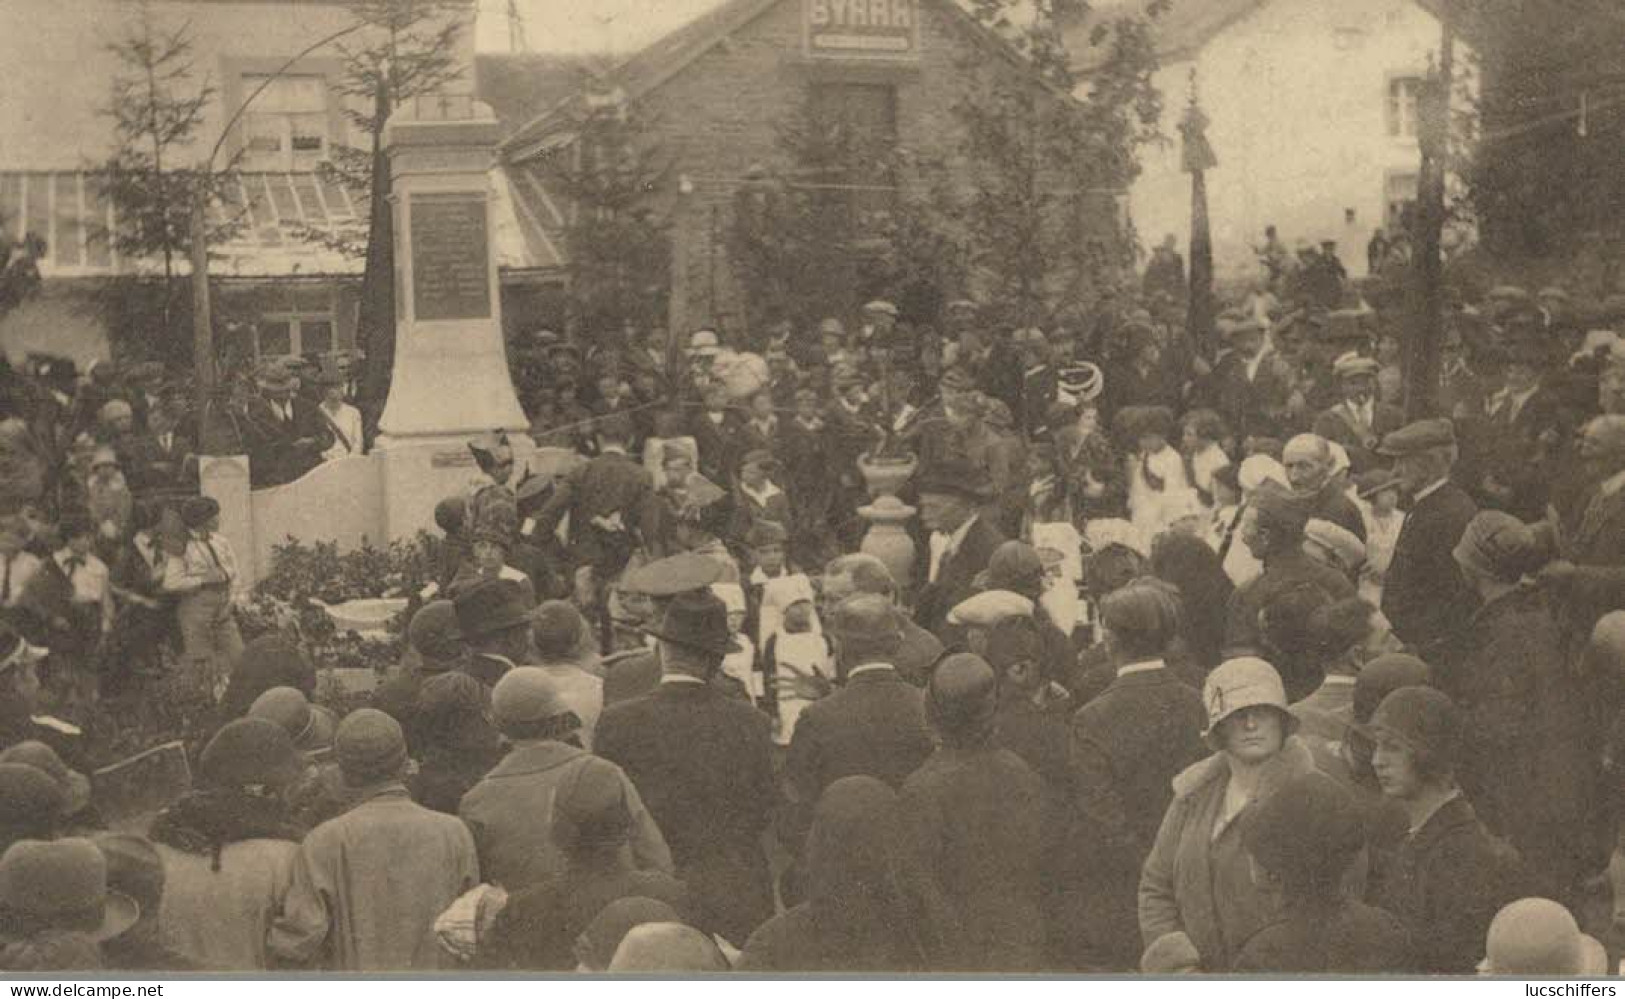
1422	355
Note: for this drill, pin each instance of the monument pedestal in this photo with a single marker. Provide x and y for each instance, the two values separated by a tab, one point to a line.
450	383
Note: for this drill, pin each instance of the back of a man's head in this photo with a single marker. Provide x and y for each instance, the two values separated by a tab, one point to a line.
867	628
667	947
860	573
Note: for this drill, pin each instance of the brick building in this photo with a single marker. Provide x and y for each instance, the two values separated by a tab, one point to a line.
718	91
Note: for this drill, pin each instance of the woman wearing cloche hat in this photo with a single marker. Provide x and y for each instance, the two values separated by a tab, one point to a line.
1198	879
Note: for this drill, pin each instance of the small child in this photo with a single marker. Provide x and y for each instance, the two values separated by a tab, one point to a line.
797	660
763	499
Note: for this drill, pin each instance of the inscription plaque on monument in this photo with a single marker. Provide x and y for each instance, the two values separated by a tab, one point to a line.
450	257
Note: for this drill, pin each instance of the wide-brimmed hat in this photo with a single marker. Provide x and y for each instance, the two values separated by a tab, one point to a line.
490	606
686	572
75	785
62	884
1240	683
1352	365
697	620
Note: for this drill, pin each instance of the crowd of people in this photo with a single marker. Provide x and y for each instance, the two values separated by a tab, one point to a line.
1203	660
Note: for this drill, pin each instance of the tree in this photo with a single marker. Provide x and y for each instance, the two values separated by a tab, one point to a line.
1042	167
410	48
618	242
1542	180
157	109
1014	202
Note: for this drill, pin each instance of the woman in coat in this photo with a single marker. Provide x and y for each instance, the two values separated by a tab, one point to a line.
869	907
1525	764
1198	878
228	848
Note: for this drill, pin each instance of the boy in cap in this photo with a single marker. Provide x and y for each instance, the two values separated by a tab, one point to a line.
368	885
203	576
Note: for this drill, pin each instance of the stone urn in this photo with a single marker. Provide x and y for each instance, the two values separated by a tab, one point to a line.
885	476
888	539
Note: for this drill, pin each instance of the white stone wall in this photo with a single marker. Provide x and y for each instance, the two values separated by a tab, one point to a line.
1297	93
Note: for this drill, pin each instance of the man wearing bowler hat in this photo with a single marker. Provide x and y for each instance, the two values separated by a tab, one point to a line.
702	762
952	495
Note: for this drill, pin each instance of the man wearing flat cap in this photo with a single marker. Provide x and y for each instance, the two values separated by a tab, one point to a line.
962	541
1424	596
1360	421
702	762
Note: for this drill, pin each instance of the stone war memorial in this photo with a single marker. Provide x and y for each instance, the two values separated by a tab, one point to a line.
450	382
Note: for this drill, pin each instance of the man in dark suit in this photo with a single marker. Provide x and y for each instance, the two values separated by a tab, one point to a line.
1273	532
1250	386
1588	573
1039	383
163	461
1519	435
612	508
702	762
717	431
963	539
873	726
1423	594
1127	745
859	572
1360	421
287	436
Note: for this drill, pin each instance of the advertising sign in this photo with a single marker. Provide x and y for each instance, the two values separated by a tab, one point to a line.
869	28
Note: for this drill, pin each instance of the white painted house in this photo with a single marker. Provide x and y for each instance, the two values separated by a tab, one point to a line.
1313	110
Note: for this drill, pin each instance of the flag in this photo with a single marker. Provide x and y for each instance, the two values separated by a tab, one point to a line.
1198	157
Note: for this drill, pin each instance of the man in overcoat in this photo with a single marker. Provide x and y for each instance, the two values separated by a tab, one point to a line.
702	762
